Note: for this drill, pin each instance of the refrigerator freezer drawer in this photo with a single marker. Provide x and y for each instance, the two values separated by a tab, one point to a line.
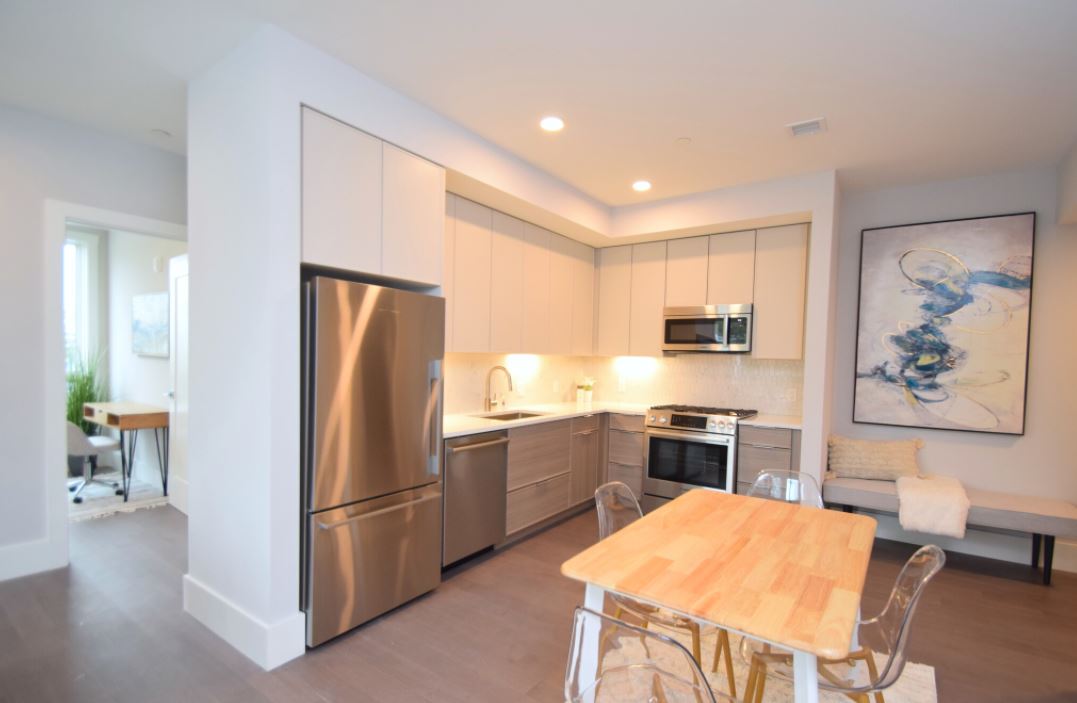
367	558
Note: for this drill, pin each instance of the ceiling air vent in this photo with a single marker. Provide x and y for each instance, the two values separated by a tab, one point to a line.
803	129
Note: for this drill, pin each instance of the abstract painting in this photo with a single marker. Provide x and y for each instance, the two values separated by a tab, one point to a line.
942	336
149	324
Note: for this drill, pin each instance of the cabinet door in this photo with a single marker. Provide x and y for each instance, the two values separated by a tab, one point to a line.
583	299
449	264
781	255
536	307
471	313
731	268
536	502
584	466
686	271
647	299
413	213
614	295
632	476
506	284
341	196
561	295
537	452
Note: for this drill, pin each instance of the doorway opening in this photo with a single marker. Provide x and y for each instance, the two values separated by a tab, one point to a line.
124	326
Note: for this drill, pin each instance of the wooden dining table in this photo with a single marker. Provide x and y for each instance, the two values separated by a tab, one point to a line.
781	573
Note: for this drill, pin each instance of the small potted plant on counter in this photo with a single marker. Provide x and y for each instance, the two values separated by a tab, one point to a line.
585	392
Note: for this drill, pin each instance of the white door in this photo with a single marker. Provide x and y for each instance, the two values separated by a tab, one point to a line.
177	447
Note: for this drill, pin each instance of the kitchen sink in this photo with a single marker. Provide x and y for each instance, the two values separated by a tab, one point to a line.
510	416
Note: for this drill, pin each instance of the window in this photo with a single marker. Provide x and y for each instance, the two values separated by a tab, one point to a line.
81	296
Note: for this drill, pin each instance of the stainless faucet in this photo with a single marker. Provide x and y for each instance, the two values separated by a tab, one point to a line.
488	401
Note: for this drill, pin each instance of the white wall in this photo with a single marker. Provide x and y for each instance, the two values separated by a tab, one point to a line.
1040	463
46	158
1067	188
133	377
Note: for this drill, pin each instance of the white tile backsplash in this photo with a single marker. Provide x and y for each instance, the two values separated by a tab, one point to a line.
733	380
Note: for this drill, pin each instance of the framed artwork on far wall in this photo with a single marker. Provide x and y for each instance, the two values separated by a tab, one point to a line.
943	324
149	324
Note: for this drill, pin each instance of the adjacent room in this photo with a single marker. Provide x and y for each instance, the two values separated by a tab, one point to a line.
587	352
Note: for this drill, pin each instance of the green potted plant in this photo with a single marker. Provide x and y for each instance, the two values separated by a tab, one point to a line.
84	385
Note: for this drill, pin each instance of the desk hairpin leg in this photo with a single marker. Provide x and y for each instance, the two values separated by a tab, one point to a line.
131	449
160	438
123	463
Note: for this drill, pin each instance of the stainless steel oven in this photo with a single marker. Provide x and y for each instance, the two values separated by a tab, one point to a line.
688	447
707	328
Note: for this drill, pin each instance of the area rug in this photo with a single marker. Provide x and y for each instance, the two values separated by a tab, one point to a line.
101	501
916	685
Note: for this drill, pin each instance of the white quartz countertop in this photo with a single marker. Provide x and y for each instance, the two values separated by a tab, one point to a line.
788	422
460	424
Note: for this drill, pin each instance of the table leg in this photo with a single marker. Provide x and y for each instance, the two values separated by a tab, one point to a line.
594	598
162	459
123	464
805	678
131	453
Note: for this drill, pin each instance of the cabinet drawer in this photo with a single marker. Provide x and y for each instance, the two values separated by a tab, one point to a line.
536	502
537	452
766	436
582	424
632	476
626	448
751	460
627	423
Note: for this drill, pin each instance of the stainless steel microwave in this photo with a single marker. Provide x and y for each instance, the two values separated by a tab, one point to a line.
707	328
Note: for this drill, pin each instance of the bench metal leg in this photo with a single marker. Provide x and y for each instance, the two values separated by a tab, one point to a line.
1036	550
1048	558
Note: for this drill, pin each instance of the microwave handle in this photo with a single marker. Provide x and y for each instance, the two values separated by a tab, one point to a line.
724	322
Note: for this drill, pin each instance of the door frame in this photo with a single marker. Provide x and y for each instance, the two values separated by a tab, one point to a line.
57	215
178	266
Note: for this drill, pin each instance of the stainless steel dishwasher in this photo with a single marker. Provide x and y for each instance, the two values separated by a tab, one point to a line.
476	475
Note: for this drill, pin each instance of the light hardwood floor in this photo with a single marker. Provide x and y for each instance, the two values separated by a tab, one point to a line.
110	628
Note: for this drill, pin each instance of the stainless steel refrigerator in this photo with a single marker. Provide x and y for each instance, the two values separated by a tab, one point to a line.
371	483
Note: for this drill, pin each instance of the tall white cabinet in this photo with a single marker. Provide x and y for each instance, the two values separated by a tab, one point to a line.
506	284
536	305
471	270
368	206
781	258
614	272
647	299
731	268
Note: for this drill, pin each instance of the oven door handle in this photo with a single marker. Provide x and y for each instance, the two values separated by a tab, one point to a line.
726	440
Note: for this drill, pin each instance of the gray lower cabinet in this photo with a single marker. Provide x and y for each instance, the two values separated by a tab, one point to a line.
586	433
539	473
625	451
765	448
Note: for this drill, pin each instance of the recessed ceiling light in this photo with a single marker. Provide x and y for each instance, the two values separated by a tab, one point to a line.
684	141
641	186
158	132
552	123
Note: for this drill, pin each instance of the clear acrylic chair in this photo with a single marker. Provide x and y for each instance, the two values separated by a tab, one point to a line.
611	661
617	508
788	486
881	641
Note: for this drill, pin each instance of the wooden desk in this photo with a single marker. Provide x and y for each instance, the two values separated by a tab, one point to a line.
788	575
130	418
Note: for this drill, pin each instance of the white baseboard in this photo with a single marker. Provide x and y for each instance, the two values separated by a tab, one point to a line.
177	493
268	646
27	558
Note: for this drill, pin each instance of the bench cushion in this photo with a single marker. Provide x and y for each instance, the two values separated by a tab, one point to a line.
1004	511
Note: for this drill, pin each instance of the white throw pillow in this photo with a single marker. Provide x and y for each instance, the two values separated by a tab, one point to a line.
874	459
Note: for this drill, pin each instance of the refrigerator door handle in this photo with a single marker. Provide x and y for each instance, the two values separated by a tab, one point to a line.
364	516
432	422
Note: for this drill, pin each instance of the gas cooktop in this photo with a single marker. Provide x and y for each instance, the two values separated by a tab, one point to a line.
704	410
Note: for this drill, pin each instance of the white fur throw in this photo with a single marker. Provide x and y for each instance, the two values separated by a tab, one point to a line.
936	504
873	459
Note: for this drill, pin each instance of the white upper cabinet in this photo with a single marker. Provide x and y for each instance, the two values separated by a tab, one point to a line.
648	298
369	206
449	266
686	271
342	195
507	284
614	273
781	255
731	268
413	212
471	274
562	271
536	307
583	298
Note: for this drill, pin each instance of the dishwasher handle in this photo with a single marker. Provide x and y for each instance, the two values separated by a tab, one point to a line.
479	445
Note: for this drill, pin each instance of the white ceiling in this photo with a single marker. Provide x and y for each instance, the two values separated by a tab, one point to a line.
912	90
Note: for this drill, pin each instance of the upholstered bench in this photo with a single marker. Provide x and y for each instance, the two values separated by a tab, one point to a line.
1043	518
